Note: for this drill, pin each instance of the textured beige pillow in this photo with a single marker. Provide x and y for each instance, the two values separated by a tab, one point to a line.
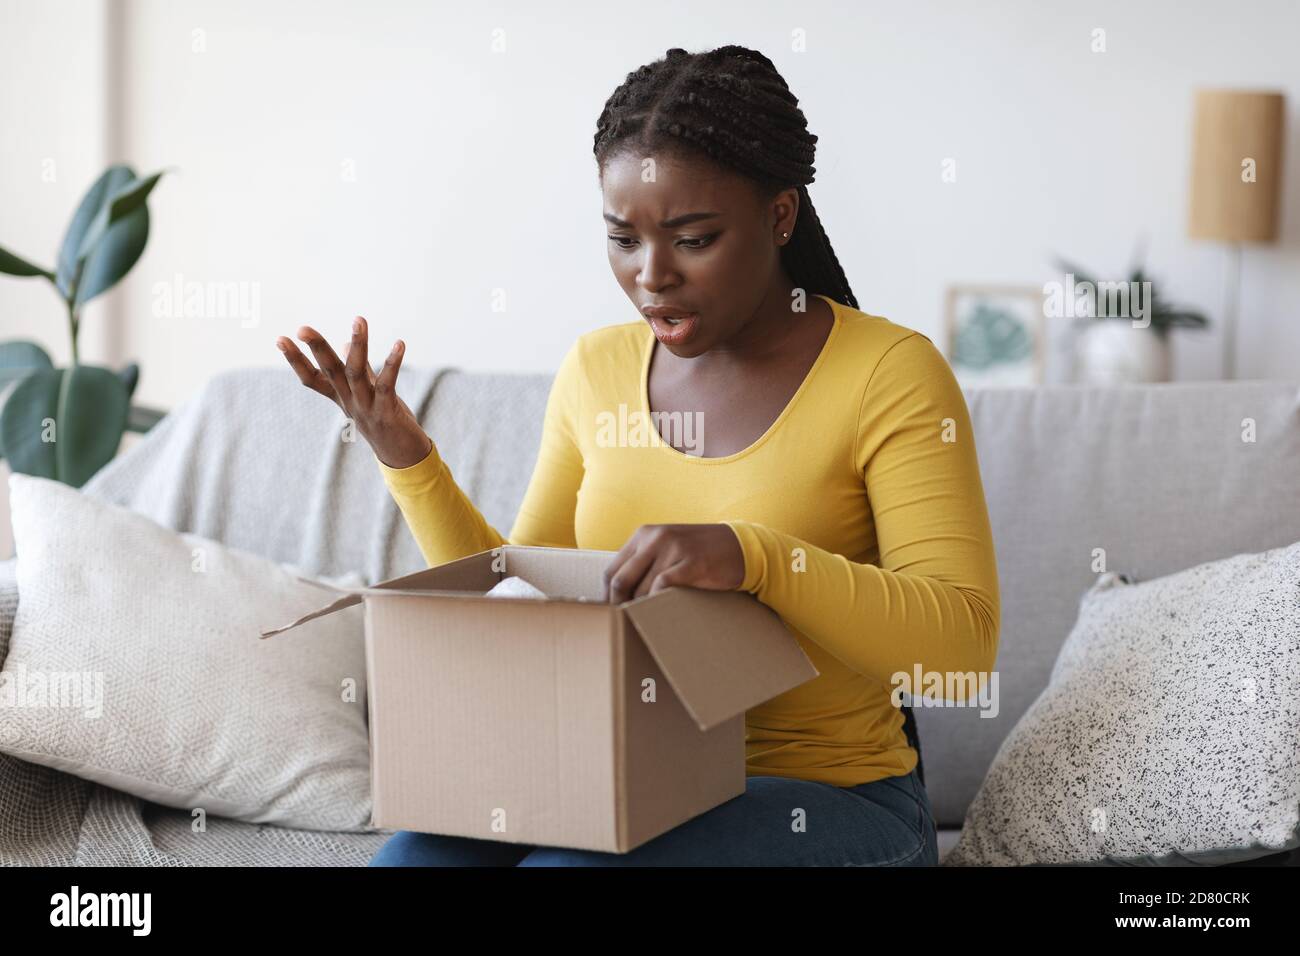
136	661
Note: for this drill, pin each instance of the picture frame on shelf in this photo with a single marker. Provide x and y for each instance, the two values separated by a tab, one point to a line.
995	334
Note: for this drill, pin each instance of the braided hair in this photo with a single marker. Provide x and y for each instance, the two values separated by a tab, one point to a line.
733	106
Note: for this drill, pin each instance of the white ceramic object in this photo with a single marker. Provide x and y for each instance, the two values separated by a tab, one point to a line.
1113	352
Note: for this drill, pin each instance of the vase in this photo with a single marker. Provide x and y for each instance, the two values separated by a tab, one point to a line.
1113	352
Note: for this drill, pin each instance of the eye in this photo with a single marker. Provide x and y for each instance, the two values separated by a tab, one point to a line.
698	242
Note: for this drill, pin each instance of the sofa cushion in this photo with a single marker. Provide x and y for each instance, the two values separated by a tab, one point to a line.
136	661
1169	731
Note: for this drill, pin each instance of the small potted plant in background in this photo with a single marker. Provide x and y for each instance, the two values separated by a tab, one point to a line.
67	423
1110	350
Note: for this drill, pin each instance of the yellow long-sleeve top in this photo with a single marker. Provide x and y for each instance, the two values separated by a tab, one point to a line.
860	513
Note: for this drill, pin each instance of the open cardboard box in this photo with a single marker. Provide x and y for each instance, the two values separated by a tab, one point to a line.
565	721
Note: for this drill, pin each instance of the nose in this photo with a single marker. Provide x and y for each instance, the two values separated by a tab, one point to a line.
657	269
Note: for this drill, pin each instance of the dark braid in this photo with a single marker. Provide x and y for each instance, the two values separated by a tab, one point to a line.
732	105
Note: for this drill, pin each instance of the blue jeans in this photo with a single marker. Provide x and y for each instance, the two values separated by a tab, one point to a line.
777	821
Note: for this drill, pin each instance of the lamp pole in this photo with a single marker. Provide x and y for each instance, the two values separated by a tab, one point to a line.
1231	304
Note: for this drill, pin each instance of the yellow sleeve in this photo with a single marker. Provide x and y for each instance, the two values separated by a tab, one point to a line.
445	523
933	600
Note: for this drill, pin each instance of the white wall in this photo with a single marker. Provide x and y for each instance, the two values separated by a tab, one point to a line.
53	130
473	169
53	135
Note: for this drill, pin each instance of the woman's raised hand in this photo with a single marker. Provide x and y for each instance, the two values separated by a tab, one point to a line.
370	400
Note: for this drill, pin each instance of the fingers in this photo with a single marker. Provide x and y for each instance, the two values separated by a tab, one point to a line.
330	365
357	370
613	571
627	571
386	381
307	373
662	579
351	384
370	372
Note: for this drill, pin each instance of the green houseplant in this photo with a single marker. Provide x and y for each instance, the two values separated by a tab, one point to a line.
67	423
1110	349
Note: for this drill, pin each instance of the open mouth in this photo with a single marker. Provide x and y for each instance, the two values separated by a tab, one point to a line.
675	329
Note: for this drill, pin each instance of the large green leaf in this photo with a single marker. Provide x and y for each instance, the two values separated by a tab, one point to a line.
21	354
120	204
130	376
13	265
88	407
98	196
18	359
114	255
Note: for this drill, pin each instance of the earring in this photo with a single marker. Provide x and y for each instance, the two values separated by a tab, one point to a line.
785	235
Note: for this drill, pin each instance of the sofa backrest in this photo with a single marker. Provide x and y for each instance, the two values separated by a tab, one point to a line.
1156	476
258	462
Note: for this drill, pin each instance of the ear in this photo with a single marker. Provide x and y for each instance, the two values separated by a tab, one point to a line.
783	212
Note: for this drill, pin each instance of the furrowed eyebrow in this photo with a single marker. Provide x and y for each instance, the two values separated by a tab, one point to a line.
676	221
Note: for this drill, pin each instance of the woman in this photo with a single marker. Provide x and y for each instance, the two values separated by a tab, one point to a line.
837	479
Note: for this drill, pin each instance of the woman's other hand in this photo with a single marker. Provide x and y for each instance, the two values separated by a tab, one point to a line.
369	400
659	556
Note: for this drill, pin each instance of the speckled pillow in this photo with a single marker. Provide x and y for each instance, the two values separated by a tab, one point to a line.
1168	734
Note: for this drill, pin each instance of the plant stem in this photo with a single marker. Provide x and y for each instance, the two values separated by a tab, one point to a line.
73	322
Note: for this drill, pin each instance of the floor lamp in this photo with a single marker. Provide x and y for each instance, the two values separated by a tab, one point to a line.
1236	182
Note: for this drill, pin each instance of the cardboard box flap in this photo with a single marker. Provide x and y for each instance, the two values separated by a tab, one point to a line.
723	651
347	600
468	572
560	572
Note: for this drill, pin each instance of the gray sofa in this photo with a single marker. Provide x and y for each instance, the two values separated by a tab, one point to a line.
1157	475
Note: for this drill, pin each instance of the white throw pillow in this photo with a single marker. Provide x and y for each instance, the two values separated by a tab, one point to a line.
1169	731
136	661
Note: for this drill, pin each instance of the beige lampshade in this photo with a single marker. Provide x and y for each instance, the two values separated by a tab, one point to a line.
1230	128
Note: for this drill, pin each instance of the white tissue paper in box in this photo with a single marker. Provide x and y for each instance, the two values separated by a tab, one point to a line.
514	587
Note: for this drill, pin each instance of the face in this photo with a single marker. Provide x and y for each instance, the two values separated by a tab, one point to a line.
695	239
